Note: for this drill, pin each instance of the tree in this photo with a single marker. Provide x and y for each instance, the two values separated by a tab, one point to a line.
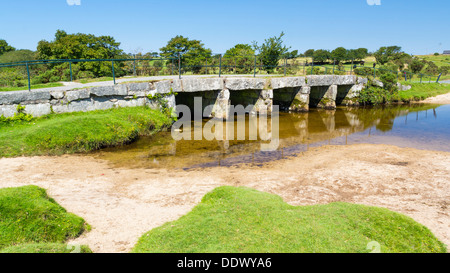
309	53
431	69
292	55
339	54
416	65
361	53
385	54
401	60
80	46
321	55
5	47
18	56
271	51
240	56
192	52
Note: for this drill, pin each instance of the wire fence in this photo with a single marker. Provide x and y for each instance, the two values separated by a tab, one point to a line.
40	73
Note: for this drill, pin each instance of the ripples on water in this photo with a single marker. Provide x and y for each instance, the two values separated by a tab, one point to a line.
416	126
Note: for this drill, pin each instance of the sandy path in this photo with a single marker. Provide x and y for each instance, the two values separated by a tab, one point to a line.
122	204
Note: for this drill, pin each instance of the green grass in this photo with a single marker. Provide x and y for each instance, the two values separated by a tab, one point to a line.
35	86
101	79
29	217
58	134
422	91
45	248
242	220
440	60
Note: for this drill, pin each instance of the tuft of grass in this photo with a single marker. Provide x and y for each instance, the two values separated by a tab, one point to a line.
58	134
422	91
29	216
242	220
45	248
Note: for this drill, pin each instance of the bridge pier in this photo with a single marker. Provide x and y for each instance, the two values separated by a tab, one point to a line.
328	101
264	104
301	100
221	108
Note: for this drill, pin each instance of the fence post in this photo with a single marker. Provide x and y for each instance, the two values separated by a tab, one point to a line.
28	74
134	67
70	68
114	74
254	69
285	64
439	78
334	65
206	68
172	66
351	69
220	65
235	65
421	76
312	66
179	65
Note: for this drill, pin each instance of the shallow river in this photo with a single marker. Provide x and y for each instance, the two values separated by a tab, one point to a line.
415	126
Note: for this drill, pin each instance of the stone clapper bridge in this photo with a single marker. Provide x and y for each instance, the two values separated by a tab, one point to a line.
296	94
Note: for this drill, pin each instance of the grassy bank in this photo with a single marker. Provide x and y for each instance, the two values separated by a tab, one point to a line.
243	220
422	91
32	222
57	134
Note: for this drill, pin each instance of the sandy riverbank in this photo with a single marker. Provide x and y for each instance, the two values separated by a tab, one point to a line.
122	204
441	99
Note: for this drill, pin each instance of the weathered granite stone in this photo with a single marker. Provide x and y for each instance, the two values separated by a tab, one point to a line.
378	83
131	103
305	90
75	106
17	97
264	104
301	100
198	85
329	99
137	87
362	80
221	108
168	86
38	110
8	110
116	90
345	80
320	80
244	84
289	82
403	87
77	95
57	94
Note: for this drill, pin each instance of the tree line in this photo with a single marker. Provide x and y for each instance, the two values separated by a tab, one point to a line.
193	54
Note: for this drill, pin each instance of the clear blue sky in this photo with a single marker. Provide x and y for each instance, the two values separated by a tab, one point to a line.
419	27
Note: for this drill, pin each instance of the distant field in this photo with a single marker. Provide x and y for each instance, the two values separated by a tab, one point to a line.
439	60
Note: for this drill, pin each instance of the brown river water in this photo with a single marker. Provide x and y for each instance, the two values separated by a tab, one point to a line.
421	126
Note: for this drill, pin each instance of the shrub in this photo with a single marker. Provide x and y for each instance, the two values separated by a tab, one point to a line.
363	71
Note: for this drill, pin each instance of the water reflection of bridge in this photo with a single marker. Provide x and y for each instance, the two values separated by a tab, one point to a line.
297	132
